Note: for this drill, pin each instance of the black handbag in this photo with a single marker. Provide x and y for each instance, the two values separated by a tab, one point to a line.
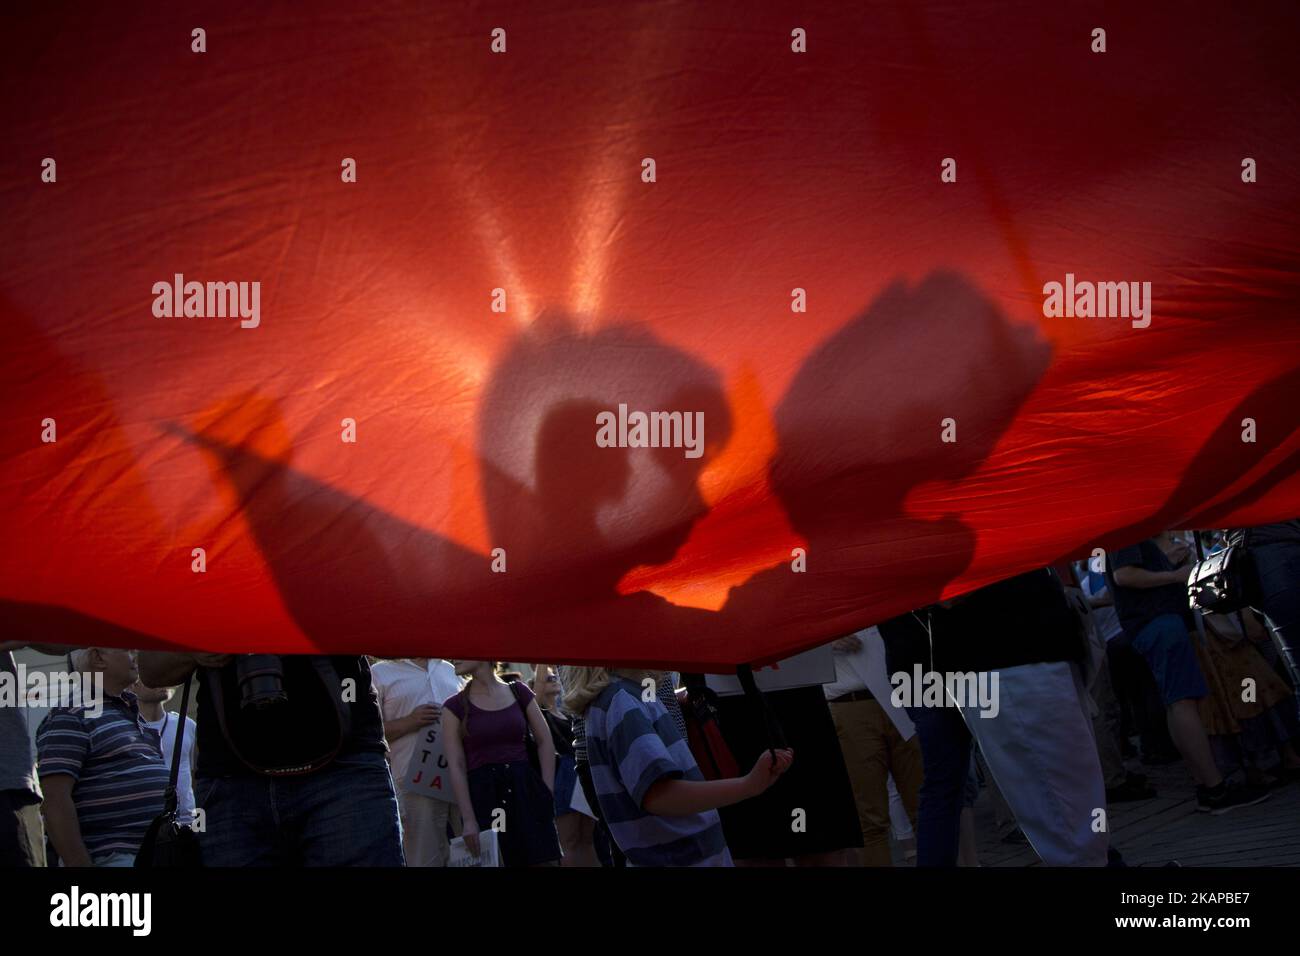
700	709
530	742
167	842
1220	583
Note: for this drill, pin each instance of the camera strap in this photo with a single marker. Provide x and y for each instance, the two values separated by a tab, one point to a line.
329	676
178	749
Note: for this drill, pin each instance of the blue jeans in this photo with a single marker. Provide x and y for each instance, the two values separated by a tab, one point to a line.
343	815
946	757
1166	645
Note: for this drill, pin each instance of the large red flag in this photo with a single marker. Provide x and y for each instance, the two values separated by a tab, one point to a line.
318	320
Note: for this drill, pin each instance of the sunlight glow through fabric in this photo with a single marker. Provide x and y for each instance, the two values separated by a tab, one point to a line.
920	429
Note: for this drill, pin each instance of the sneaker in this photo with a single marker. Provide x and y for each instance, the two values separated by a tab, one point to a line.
1228	796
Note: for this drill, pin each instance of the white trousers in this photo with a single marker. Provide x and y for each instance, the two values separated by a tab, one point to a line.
1041	751
424	828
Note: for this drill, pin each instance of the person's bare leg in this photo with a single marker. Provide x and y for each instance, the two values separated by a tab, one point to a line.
1193	743
588	845
576	834
567	828
586	852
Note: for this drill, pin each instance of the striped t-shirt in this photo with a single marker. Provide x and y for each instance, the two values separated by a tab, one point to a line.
118	767
665	690
632	744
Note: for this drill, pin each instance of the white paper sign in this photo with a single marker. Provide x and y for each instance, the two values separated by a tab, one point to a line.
489	851
579	802
427	772
810	668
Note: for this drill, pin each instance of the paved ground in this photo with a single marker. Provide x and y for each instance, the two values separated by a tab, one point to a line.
1154	832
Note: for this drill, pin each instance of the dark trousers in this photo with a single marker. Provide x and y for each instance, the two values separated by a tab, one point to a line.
22	837
1277	570
342	815
945	755
1139	697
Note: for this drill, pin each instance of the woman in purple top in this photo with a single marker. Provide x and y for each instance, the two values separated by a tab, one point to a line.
485	740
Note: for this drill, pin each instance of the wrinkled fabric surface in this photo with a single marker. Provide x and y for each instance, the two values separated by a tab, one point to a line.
475	515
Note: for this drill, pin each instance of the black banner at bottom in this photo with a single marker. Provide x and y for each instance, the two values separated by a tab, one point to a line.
258	907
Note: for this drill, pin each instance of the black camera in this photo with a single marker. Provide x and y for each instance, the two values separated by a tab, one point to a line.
261	681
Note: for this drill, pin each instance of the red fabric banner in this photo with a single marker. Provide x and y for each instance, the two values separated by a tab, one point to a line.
825	238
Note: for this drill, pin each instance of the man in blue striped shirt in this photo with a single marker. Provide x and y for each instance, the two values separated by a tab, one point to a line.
103	775
658	806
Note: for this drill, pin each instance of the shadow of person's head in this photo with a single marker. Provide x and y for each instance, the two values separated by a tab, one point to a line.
915	390
553	491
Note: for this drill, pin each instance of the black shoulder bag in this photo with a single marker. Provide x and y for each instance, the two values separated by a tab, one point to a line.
167	842
1220	583
699	704
530	742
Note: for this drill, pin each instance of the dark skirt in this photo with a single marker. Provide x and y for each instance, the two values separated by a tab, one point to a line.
817	782
566	781
529	837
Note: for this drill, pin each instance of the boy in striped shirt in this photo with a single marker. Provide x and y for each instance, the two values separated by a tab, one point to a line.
659	808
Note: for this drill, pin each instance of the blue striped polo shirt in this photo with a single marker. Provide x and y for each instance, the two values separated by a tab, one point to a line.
631	744
118	767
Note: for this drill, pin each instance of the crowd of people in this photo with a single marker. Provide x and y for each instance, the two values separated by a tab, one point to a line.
1055	689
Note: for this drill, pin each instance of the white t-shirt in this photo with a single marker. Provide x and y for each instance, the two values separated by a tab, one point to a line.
402	686
864	669
847	677
1105	619
166	729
